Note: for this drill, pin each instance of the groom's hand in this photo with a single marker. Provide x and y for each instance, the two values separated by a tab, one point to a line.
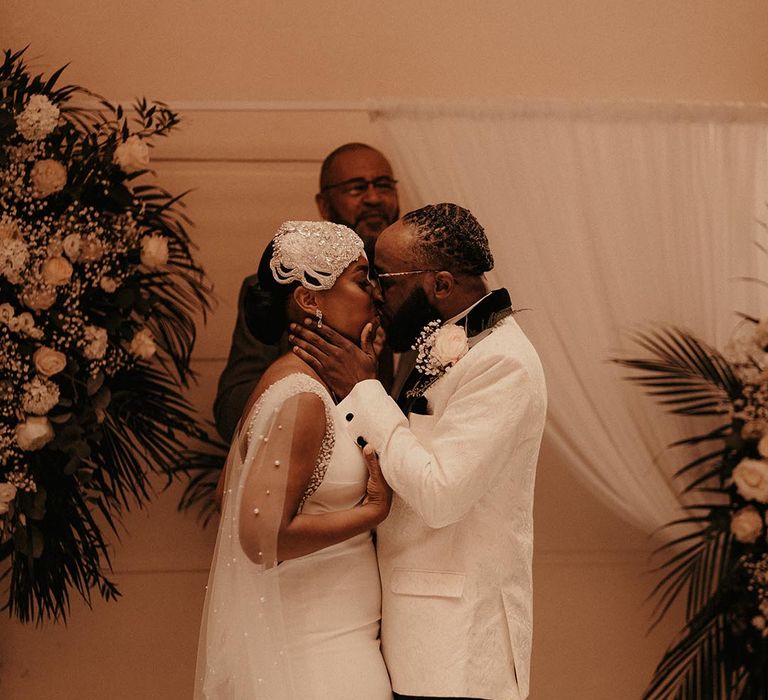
340	363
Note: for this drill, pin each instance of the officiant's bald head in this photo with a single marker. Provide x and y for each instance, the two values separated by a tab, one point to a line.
358	189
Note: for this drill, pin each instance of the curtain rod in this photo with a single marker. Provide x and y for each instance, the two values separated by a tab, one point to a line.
519	106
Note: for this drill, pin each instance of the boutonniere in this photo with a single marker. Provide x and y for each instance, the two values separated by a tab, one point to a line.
439	347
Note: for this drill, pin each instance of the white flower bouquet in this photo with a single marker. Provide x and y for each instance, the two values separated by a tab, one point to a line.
99	294
722	564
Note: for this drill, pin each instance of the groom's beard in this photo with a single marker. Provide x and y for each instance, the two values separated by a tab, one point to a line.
409	320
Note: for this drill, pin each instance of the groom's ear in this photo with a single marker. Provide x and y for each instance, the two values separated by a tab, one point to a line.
305	299
444	284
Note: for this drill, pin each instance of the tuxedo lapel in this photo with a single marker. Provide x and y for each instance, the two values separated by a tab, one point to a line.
479	319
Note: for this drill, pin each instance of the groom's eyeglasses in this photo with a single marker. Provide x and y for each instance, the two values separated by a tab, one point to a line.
384	279
358	186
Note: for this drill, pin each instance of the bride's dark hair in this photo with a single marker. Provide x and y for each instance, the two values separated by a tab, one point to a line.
266	303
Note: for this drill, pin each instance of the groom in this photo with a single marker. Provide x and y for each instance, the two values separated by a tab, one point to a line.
459	448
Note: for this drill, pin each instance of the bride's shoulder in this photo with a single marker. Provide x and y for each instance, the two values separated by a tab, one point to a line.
286	377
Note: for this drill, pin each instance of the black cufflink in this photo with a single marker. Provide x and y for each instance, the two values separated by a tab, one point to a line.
349	416
362	441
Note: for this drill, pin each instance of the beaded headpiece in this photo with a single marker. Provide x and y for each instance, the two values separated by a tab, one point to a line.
313	253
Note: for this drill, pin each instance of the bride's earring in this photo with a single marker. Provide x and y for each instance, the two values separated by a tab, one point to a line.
319	316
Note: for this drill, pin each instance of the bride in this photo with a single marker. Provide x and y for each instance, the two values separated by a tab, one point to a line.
293	601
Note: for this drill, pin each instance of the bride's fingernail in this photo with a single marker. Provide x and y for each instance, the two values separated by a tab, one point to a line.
307	321
291	338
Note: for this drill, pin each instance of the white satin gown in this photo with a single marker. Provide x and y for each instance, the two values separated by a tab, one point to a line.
306	628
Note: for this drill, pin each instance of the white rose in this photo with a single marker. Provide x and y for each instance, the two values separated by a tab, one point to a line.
450	345
49	361
57	271
154	250
38	298
746	524
108	284
751	479
758	621
72	244
132	155
35	432
47	176
143	344
95	342
7	494
91	250
38	119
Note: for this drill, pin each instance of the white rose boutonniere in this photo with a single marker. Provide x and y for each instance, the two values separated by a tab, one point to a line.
439	348
132	155
450	345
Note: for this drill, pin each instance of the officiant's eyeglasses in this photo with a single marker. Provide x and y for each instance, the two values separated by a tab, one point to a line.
358	186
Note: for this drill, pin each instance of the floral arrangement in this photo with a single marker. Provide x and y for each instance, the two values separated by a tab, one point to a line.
721	560
98	293
438	348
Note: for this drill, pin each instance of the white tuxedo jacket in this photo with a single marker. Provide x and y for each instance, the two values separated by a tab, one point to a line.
455	553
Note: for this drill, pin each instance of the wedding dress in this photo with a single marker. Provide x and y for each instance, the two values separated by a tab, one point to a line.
305	628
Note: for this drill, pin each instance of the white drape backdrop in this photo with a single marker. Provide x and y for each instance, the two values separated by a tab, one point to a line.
602	217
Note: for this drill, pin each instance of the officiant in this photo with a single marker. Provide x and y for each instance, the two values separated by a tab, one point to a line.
357	189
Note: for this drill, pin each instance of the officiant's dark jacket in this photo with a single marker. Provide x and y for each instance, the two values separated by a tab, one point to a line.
247	362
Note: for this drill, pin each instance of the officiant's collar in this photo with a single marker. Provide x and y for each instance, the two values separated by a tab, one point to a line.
484	313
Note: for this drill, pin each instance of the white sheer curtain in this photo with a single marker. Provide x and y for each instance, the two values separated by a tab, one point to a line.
602	217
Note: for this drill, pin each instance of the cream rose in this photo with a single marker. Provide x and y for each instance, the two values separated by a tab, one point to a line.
47	176
38	298
7	494
746	524
132	155
751	479
450	345
49	361
34	433
143	344
95	342
72	244
57	271
154	250
91	250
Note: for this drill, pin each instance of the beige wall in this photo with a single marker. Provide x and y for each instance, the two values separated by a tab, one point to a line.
250	170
